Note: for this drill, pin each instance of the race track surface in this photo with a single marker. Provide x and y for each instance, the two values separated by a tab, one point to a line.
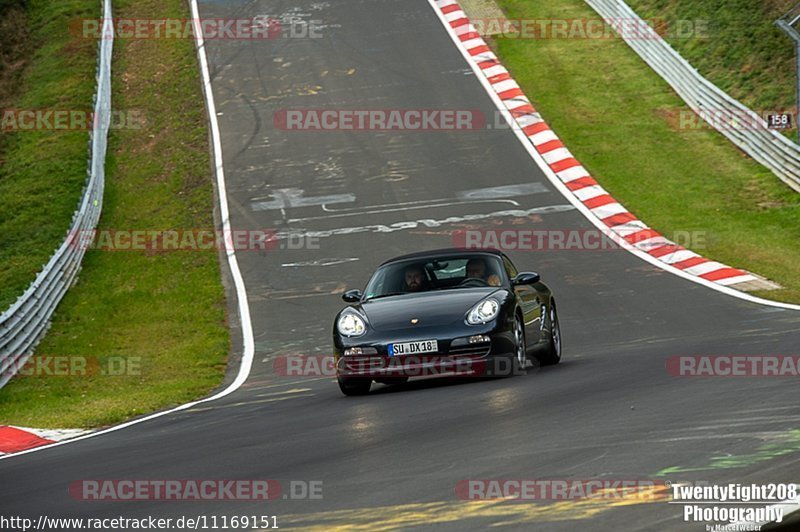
393	458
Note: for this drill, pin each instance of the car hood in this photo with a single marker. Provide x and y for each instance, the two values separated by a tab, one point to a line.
430	308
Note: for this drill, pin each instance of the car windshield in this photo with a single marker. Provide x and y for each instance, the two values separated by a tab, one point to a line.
436	273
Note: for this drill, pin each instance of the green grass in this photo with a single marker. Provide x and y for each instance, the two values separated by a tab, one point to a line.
164	311
740	50
42	172
618	117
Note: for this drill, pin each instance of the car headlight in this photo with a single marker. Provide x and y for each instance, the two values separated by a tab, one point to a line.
484	311
351	324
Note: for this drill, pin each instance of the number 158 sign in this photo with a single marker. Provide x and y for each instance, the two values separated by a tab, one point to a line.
779	121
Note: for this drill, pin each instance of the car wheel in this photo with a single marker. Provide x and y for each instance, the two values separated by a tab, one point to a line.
553	353
521	354
354	386
513	363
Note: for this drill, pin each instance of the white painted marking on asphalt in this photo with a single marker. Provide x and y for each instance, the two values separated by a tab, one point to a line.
320	262
503	191
293	197
401	208
479	195
230	252
427	222
284	392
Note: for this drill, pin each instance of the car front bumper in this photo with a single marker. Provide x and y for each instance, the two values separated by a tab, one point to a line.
457	356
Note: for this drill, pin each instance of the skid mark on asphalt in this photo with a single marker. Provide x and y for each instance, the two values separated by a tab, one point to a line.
321	289
297	395
501	512
284	392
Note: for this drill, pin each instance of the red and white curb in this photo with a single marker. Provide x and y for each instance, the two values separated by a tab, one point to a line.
622	224
16	439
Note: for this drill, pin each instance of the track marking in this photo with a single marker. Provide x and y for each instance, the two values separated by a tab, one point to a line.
284	198
427	222
320	262
402	209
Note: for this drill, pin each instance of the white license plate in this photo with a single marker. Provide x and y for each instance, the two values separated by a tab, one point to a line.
413	348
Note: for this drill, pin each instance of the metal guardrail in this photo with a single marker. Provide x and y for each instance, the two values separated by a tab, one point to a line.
25	322
768	147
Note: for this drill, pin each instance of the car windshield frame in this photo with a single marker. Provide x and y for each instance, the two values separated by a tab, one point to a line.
372	292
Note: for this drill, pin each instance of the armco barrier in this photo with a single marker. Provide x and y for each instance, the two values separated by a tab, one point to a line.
25	322
768	147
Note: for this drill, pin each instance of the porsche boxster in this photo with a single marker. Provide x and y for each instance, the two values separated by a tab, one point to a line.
445	312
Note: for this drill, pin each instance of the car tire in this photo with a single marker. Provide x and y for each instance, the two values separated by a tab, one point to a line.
355	386
510	364
520	346
552	354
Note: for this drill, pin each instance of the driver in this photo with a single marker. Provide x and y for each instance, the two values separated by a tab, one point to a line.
476	269
415	278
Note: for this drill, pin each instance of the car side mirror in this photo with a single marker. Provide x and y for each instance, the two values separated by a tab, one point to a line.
352	296
525	278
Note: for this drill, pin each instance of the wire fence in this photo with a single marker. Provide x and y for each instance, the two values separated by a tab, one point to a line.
745	128
24	323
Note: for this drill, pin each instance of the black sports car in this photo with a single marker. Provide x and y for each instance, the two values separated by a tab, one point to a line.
444	312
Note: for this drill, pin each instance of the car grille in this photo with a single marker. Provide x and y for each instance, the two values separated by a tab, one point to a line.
361	363
470	350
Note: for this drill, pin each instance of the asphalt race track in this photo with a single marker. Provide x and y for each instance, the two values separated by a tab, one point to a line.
394	458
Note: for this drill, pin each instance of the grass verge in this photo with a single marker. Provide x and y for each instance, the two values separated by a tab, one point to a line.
735	44
155	321
42	172
619	119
